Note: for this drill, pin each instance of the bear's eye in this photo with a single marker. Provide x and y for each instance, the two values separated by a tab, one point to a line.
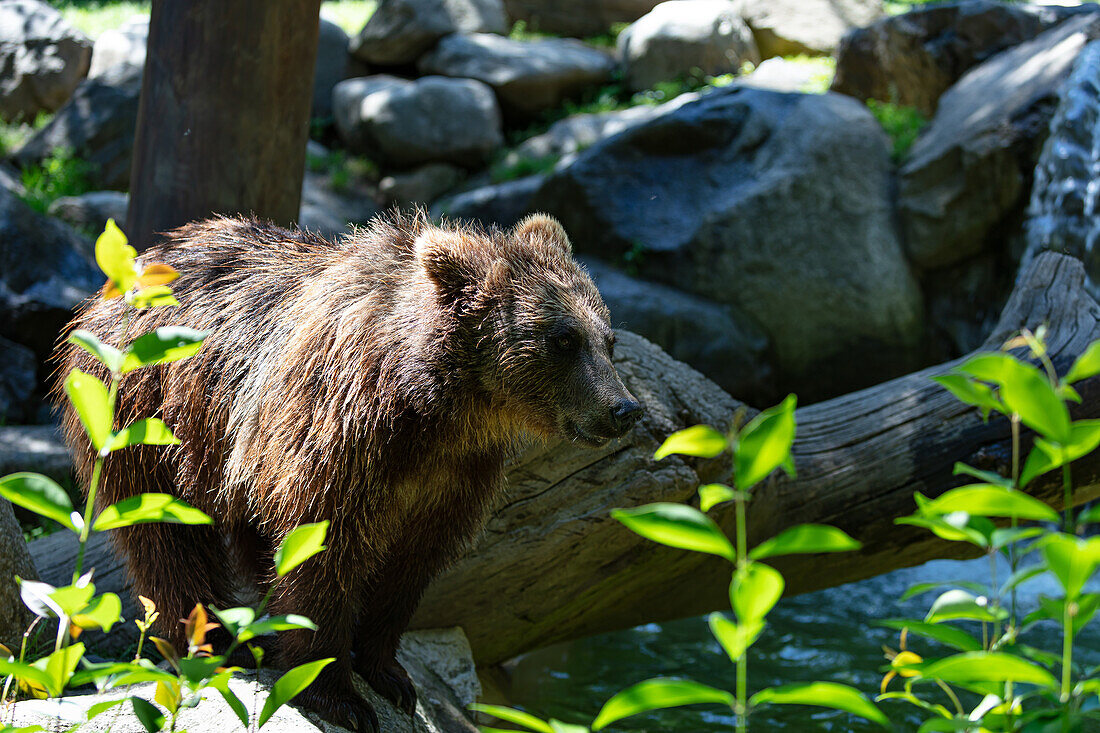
565	340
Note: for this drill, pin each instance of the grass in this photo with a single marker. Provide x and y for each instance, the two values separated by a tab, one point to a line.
606	41
900	122
58	175
95	16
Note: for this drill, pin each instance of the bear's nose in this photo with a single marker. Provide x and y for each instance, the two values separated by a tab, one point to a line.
625	414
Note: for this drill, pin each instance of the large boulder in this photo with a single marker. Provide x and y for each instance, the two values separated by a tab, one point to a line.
815	27
500	204
438	661
404	123
124	46
42	59
331	66
420	186
913	58
17	383
528	76
968	174
777	204
96	125
45	270
399	31
722	343
679	38
90	211
579	18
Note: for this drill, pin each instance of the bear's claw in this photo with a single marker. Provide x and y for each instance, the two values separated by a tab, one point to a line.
392	682
348	711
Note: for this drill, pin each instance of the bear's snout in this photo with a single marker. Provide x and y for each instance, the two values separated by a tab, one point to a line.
624	414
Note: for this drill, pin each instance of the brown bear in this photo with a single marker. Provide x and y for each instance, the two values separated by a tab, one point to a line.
379	382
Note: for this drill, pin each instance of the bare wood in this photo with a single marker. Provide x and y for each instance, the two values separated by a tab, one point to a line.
553	565
224	113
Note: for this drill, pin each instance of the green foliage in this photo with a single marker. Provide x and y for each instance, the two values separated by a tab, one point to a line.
76	607
758	450
902	123
1020	688
60	174
343	170
14	134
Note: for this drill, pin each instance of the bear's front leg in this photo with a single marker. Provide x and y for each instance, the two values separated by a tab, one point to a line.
314	591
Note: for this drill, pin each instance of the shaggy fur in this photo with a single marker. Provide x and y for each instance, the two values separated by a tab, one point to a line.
377	382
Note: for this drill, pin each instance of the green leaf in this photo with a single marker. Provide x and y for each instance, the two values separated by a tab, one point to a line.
943	633
234	619
959	604
1086	365
60	665
1022	575
754	590
150	431
803	539
1025	391
658	694
701	441
987	500
1090	515
163	345
560	727
299	545
289	685
735	638
115	257
1005	536
953	527
677	525
40	495
824	694
1084	609
918	588
108	355
276	623
149	715
511	715
234	704
711	495
69	599
37	596
765	444
89	397
25	672
972	667
1047	456
101	613
101	707
198	669
145	508
969	392
989	477
1073	560
153	296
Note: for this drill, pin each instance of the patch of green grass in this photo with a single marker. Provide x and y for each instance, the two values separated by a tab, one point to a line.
520	32
58	175
509	168
351	15
95	16
14	134
342	169
900	122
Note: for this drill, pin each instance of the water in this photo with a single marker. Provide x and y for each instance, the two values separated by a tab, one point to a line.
826	635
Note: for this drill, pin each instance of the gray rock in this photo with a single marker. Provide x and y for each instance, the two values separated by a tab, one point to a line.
42	59
777	204
781	75
91	210
438	661
331	66
35	448
124	46
579	18
725	345
500	204
14	560
969	172
17	382
528	76
406	123
680	38
914	57
45	269
786	27
329	211
96	125
400	31
421	185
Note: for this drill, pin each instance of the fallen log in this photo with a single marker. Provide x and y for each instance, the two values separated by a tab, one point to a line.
552	565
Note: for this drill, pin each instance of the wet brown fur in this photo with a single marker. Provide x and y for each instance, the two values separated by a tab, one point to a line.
377	382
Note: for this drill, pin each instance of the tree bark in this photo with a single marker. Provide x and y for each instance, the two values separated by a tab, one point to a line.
552	564
224	113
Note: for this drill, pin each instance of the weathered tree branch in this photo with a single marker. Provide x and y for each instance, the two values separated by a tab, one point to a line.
553	565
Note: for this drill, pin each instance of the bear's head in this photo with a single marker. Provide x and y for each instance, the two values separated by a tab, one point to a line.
539	334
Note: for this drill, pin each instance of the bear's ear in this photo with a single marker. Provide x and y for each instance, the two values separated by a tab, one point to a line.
451	260
543	230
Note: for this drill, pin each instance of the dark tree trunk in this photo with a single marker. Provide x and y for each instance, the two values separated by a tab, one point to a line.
224	114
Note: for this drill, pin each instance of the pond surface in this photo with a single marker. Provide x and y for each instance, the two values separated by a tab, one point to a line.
826	635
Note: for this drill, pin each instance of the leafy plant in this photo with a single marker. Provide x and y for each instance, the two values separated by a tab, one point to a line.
1014	686
60	174
77	607
902	123
757	449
